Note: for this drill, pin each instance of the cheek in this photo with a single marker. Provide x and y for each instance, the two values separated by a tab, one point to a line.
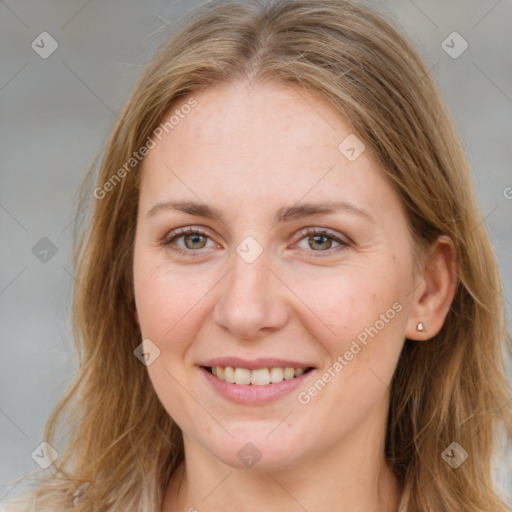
168	301
349	301
359	318
368	322
168	306
171	386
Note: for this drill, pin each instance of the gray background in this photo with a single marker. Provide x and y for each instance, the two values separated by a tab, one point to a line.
56	114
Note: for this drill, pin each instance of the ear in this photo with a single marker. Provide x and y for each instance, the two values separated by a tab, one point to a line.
434	295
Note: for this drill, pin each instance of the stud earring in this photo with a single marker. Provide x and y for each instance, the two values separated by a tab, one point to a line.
420	327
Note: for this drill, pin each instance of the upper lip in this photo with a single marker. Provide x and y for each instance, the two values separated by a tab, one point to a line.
254	364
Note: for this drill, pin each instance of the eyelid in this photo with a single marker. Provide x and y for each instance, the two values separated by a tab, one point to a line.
312	231
309	230
185	230
179	232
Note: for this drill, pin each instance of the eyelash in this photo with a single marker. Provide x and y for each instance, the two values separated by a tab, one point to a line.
308	232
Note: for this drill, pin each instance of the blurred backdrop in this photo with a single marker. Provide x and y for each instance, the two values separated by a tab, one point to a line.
66	68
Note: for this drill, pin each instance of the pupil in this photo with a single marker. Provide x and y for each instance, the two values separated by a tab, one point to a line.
194	241
327	240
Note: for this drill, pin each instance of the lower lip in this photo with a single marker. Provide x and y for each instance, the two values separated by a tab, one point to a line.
251	394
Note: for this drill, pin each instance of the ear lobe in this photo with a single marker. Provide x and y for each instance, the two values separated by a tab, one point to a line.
434	296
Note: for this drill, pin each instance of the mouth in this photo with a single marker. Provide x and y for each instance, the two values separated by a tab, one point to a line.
256	377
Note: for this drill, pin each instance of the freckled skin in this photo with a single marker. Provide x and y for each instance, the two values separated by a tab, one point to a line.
250	150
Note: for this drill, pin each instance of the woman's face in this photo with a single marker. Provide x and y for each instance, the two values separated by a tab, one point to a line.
259	289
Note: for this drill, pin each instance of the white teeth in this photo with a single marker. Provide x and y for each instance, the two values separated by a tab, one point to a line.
229	374
276	375
259	377
289	373
242	376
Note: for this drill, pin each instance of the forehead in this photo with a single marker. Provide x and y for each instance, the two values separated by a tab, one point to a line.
265	145
268	119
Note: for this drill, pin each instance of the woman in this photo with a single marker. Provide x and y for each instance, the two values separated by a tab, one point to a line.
289	300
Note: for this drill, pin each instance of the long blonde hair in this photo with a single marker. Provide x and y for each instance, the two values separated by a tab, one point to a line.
122	444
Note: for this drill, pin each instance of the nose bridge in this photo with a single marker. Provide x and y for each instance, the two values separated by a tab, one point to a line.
250	273
250	299
251	264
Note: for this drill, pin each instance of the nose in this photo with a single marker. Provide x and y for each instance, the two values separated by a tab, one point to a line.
252	300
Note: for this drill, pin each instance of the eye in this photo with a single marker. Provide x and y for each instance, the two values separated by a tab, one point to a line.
321	239
193	239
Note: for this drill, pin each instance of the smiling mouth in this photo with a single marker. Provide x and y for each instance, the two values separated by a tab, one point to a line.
259	377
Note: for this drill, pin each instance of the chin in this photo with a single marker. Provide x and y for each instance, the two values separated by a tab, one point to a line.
257	453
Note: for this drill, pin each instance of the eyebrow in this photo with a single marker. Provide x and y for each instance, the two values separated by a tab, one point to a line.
284	214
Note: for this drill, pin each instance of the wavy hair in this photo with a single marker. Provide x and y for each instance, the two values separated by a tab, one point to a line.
123	446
